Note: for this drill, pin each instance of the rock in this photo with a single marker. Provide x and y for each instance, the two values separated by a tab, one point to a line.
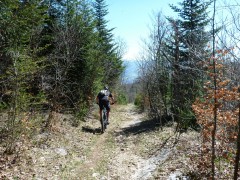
95	175
42	136
177	175
61	151
103	178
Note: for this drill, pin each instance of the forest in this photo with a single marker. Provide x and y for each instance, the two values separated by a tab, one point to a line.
55	55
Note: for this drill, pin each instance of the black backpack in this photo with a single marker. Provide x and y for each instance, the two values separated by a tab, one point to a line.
103	93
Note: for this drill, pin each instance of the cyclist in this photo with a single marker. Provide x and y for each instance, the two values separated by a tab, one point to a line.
102	99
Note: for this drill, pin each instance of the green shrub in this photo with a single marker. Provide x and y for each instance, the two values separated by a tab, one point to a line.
122	99
187	120
80	114
139	101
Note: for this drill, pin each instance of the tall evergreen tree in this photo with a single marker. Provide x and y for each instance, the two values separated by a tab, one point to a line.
193	38
55	12
173	53
73	68
20	22
109	57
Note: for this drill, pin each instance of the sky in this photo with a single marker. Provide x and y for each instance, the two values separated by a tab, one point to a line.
131	20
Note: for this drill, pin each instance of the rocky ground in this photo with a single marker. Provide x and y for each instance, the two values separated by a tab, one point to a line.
131	148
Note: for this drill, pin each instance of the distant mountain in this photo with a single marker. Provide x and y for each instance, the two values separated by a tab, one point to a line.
131	70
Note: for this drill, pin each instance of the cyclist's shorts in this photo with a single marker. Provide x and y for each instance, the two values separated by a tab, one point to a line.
104	103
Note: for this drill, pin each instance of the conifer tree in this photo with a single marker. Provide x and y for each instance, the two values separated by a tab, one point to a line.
73	38
109	57
20	22
193	38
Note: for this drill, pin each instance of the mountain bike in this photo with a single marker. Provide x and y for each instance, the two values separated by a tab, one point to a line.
104	120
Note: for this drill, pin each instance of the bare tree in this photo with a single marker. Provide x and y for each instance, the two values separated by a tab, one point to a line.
234	66
154	73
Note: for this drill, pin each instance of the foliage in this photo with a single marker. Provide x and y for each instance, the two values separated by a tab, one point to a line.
80	113
172	71
226	106
109	58
139	101
121	98
187	49
20	62
52	57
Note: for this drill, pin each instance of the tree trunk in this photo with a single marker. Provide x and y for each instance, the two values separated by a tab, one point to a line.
238	145
215	98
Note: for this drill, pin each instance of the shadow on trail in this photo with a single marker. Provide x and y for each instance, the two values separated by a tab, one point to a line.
141	127
88	129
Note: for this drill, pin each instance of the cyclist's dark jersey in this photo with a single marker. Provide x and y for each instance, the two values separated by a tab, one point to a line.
103	97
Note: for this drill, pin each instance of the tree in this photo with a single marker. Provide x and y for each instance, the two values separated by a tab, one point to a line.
20	22
191	40
108	49
73	72
217	113
155	70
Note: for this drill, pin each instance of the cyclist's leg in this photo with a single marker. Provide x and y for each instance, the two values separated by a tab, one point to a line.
108	110
101	104
100	113
108	116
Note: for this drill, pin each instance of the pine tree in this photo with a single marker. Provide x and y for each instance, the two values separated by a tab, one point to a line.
20	22
193	39
110	60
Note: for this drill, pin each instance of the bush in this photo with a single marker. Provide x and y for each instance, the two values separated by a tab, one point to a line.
80	114
139	101
122	99
187	120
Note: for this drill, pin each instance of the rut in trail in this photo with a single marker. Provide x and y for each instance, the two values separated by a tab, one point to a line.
127	164
145	152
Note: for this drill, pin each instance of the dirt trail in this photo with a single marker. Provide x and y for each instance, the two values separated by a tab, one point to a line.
135	149
131	148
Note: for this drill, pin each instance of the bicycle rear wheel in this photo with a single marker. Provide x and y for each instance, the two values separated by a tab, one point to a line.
102	126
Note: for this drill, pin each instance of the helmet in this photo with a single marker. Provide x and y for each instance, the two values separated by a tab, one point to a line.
105	87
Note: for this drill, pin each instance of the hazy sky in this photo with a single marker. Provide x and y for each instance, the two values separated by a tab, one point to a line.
131	20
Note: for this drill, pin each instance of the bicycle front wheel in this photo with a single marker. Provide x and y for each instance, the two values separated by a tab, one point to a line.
104	120
102	125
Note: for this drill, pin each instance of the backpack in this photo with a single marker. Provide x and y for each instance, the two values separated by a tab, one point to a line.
103	93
